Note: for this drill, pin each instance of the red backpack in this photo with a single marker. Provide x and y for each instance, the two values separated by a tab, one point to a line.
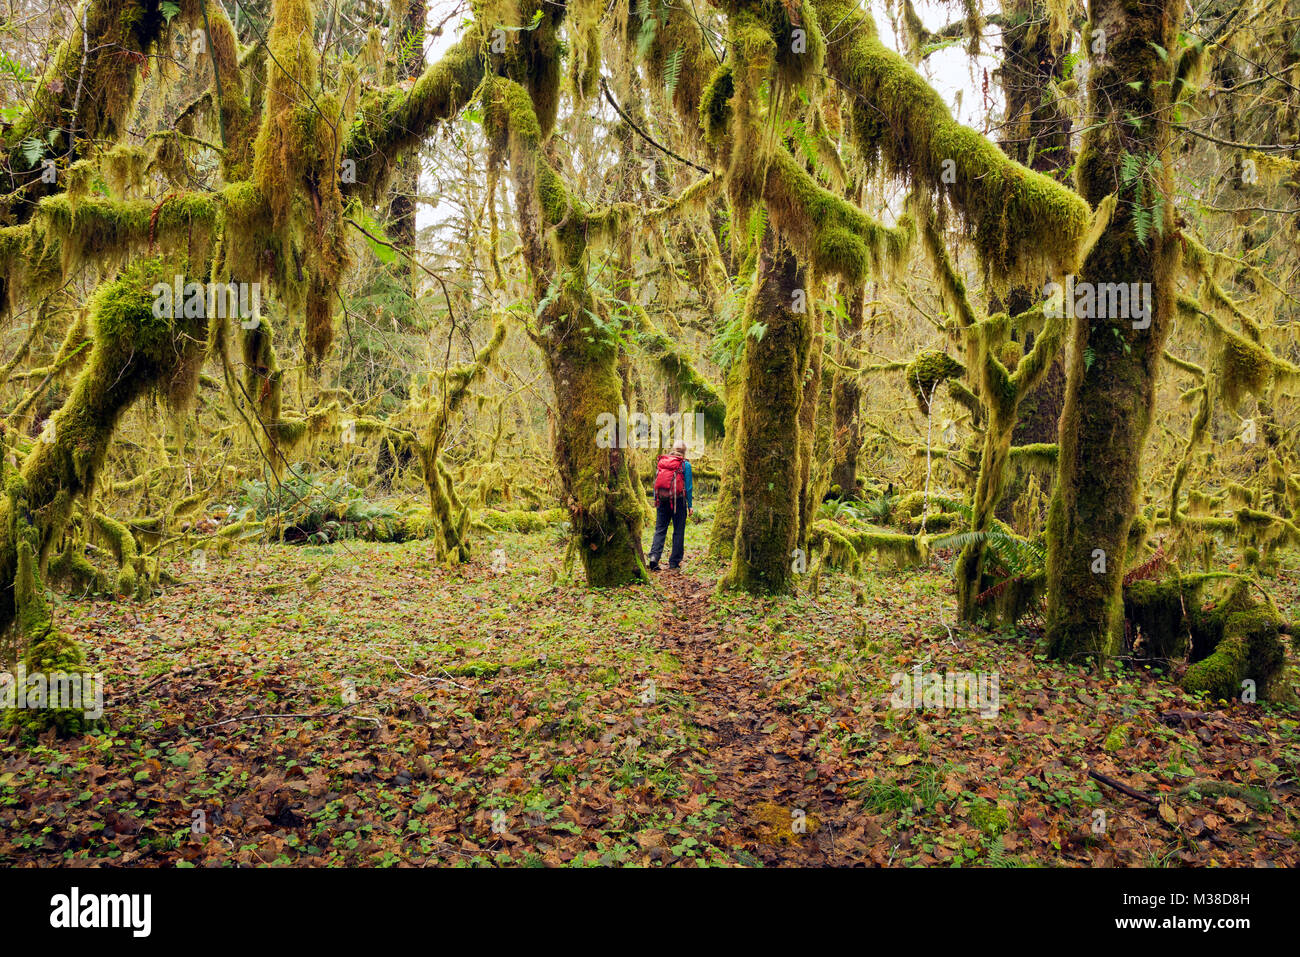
669	480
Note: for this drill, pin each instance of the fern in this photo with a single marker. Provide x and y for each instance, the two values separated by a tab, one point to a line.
1016	557
649	29
1141	224
1139	173
881	509
757	224
798	131
673	69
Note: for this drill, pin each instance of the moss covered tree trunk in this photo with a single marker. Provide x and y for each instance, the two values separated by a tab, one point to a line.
406	182
1037	134
812	484
133	352
767	441
847	397
582	360
1110	387
722	537
602	498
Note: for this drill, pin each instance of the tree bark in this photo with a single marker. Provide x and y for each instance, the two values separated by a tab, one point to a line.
1110	388
848	397
776	366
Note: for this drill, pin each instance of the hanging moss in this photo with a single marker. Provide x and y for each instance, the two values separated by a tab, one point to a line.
1039	455
676	38
837	549
263	377
134	352
522	521
834	234
1017	597
251	249
1259	527
1018	219
235	119
123	167
108	232
89	90
318	330
290	432
910	505
297	168
584	48
392	121
79	573
1245	367
904	550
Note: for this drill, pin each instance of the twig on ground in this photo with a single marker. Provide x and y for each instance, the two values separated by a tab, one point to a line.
412	674
1122	787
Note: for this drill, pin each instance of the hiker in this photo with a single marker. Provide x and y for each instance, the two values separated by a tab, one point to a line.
673	502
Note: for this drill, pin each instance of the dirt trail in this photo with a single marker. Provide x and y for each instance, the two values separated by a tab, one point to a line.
765	757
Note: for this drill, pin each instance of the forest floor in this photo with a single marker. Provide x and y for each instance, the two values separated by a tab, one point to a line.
357	704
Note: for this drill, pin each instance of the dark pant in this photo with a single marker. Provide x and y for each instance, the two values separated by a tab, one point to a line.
668	510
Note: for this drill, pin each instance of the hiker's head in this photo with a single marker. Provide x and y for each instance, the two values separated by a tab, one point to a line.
679	448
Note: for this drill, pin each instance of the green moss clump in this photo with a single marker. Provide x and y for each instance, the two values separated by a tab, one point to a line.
840	253
48	652
927	370
1160	616
122	544
989	818
1235	639
715	105
1239	638
519	520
